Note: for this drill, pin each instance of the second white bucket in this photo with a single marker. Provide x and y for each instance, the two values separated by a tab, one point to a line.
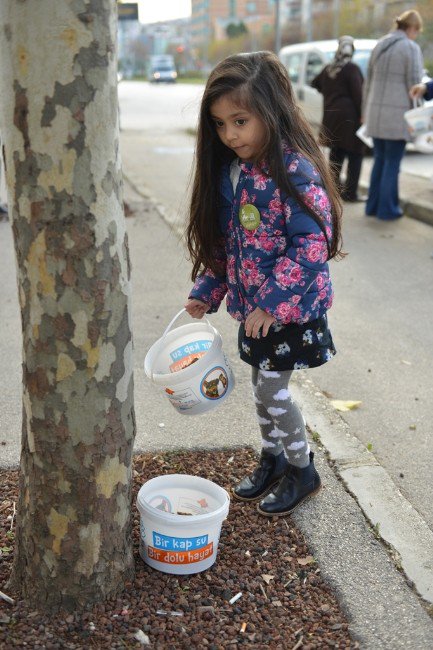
180	522
189	366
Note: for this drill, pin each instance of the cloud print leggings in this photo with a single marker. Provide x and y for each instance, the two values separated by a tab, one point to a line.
280	419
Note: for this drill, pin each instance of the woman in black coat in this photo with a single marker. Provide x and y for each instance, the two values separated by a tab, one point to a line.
340	83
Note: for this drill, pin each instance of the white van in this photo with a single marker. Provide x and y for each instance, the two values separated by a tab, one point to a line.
304	61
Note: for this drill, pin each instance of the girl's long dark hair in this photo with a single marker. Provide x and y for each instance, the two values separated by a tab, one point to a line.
258	82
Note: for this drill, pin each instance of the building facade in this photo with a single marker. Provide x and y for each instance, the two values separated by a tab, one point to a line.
210	18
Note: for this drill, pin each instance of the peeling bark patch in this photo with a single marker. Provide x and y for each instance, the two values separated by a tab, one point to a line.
90	57
23	59
65	367
37	382
86	18
58	527
8	32
39	276
21	113
90	545
63	327
69	36
123	384
111	473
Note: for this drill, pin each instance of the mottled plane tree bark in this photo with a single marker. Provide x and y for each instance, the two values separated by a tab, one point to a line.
59	125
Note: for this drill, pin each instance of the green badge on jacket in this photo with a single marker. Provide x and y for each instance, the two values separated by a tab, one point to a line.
249	216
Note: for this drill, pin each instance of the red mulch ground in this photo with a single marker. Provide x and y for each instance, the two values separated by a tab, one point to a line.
285	602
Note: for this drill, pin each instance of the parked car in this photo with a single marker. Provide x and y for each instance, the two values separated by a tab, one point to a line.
304	61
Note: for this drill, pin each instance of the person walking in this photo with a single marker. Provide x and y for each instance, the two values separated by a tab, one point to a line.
340	83
395	66
264	219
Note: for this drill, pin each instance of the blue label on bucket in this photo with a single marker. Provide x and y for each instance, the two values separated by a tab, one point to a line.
190	348
178	543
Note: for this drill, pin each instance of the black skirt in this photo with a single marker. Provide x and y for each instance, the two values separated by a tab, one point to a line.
288	347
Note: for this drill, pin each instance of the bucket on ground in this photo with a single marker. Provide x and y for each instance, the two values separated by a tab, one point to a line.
180	522
189	366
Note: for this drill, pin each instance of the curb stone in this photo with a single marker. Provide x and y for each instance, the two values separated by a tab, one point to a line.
392	517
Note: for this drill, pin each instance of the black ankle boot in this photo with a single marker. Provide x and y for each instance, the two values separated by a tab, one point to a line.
297	484
268	472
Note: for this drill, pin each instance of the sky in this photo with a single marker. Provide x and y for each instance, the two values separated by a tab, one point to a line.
153	11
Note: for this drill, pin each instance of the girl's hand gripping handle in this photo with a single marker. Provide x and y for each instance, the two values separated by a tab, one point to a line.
196	308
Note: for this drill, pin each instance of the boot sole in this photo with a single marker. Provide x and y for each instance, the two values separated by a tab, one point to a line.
288	512
260	496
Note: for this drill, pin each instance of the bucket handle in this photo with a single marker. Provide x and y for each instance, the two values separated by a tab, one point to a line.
173	320
169	326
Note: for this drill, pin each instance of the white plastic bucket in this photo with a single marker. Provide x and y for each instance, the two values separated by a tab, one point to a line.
424	142
181	543
189	366
419	120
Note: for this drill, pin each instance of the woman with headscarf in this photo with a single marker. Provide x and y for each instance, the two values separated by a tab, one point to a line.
340	83
395	66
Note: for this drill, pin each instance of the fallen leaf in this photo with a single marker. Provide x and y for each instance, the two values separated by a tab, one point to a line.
267	578
345	405
303	561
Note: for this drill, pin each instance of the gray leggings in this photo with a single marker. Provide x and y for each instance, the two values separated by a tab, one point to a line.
280	419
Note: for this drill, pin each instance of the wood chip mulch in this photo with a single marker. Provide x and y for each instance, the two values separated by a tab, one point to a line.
285	603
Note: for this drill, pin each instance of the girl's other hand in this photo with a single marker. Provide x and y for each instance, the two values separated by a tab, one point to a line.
258	319
196	308
418	91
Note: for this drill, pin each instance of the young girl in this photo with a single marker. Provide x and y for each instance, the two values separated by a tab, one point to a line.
264	220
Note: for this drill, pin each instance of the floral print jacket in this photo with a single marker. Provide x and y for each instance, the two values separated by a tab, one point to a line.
281	265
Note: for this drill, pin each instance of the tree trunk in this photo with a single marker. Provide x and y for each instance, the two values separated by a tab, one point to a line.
60	130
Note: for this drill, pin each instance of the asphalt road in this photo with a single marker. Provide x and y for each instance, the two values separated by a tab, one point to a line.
381	319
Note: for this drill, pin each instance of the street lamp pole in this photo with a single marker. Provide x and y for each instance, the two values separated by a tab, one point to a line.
277	26
307	19
336	18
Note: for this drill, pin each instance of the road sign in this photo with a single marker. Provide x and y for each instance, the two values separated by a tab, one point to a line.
127	10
